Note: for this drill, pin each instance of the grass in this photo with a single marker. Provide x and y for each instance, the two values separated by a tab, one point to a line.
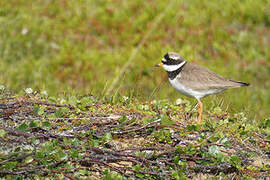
82	46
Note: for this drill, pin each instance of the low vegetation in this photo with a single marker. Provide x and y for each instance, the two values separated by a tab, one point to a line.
80	136
110	47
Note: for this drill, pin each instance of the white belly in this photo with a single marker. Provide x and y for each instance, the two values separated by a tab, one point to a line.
189	92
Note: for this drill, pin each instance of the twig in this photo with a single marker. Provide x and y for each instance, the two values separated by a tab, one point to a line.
16	132
17	104
88	163
144	149
3	172
16	158
148	125
215	169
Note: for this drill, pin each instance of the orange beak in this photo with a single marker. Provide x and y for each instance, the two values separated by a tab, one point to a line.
159	65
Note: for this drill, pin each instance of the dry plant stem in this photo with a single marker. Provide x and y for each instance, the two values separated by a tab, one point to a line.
151	124
134	53
215	169
18	104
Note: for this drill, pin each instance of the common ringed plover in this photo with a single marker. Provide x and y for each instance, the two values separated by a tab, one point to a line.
193	80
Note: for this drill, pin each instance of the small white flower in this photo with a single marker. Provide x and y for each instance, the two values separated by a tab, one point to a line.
45	93
2	88
63	101
125	98
179	101
54	46
145	107
24	31
28	147
29	90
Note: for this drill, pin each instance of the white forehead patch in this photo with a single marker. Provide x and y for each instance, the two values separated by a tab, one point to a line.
175	57
164	60
174	67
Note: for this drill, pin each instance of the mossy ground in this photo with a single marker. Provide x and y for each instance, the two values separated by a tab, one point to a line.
66	45
80	136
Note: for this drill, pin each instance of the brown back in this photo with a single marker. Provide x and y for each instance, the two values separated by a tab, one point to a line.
200	78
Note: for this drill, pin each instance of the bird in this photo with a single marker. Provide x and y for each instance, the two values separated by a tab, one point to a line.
193	80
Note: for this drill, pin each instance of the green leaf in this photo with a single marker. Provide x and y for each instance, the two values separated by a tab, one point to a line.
220	158
76	141
29	159
165	120
35	141
147	120
17	149
225	141
108	136
266	123
61	156
214	150
86	101
36	109
215	137
11	164
138	168
23	127
178	175
176	160
41	110
2	133
46	125
73	101
59	113
52	99
75	154
95	143
33	124
235	160
40	154
194	128
123	119
48	147
217	110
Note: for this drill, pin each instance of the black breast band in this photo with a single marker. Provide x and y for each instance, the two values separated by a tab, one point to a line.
173	74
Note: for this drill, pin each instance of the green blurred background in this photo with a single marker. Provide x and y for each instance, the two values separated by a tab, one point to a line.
109	47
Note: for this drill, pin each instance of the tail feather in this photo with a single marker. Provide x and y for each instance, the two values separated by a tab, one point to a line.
244	84
241	83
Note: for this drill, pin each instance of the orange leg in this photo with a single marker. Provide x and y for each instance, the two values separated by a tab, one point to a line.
199	118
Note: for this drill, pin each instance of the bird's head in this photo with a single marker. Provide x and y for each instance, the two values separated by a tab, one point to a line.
171	62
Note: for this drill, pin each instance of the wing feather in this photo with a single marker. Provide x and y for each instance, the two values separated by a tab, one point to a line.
200	78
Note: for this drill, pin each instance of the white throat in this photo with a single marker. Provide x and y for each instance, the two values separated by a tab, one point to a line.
171	68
